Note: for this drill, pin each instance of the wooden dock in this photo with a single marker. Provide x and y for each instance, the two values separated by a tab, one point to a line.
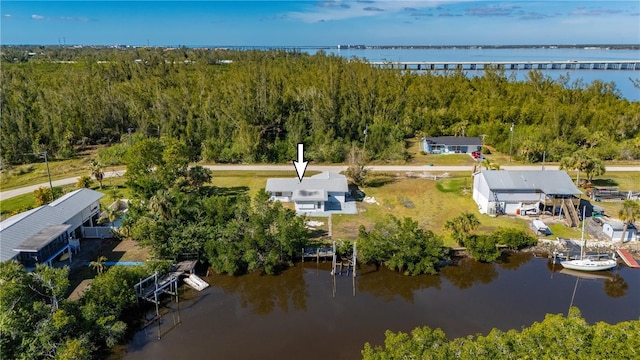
628	259
317	253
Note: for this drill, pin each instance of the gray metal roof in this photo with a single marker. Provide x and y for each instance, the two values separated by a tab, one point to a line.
43	237
454	140
327	181
17	229
71	204
550	182
310	195
619	225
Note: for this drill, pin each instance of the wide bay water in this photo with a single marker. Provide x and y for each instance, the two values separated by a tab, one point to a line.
620	77
301	314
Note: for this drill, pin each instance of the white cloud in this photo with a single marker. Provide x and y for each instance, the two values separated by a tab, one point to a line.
7	15
348	9
37	17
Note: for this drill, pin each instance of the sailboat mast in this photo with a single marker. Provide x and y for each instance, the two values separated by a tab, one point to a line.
583	242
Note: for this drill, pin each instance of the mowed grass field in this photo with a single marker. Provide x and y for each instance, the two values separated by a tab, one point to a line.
430	202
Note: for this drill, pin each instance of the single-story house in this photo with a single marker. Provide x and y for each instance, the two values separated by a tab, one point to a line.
42	234
321	192
451	145
613	229
507	192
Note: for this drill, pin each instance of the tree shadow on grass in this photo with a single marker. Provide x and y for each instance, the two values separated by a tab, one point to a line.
604	182
224	191
380	180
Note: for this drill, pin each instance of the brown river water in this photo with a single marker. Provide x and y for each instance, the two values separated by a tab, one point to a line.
301	314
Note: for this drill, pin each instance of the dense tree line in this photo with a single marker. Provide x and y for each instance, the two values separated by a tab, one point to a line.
556	337
256	108
38	322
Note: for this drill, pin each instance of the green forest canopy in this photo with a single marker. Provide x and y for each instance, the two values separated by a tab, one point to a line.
257	107
556	337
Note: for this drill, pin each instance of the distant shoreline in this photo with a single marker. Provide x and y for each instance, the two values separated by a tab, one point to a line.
352	46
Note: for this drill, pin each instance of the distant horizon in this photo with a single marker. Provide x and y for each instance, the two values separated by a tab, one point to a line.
347	46
330	22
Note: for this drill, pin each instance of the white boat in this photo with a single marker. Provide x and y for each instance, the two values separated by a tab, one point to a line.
589	263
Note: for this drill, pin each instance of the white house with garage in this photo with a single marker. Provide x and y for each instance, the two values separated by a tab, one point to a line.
451	145
42	234
614	230
322	192
522	192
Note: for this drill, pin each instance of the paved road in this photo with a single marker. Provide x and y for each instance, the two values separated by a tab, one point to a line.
335	168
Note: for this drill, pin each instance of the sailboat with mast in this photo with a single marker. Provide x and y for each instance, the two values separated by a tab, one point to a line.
591	262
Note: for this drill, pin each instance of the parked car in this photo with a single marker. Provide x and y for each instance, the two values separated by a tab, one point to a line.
476	155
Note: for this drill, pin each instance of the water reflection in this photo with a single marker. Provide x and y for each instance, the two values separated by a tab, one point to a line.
614	285
466	272
387	284
264	293
513	260
295	314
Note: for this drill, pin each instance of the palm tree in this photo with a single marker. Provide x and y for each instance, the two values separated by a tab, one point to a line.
99	264
462	226
160	204
594	167
629	213
571	163
583	160
97	172
490	165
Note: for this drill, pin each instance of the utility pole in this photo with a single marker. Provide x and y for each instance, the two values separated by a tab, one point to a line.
511	146
365	138
129	130
46	161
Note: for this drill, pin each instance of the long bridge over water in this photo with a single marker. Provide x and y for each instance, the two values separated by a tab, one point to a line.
510	65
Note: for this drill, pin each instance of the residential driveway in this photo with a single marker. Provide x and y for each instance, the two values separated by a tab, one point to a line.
334	168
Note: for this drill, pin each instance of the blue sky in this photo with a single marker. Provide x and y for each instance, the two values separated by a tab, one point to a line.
300	23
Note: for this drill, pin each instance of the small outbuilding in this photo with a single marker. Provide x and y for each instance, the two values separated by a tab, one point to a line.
540	228
614	230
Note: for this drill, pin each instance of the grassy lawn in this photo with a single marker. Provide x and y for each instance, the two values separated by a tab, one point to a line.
36	172
249	182
414	147
624	181
559	230
17	204
430	202
113	188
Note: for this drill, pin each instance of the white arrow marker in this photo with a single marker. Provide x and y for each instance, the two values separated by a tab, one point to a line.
301	165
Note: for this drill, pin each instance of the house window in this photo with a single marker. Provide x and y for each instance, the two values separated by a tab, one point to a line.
319	205
278	193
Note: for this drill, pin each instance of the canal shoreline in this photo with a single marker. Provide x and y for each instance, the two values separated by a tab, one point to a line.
549	247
